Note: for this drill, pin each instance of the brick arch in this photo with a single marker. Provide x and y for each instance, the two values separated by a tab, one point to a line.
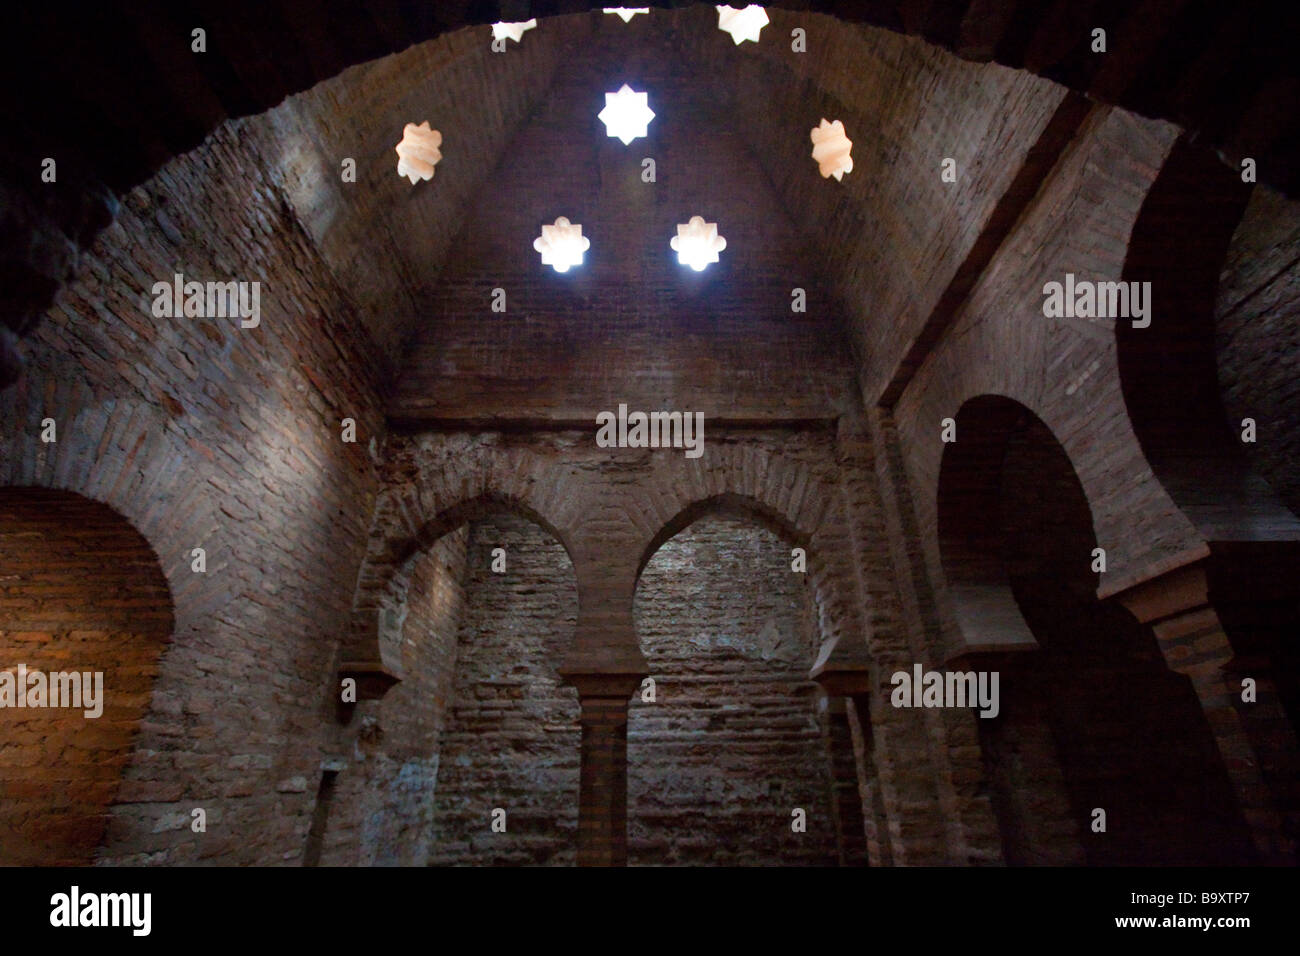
782	495
1015	534
728	503
778	489
84	593
1064	370
729	635
972	527
473	509
119	451
1168	371
172	478
410	516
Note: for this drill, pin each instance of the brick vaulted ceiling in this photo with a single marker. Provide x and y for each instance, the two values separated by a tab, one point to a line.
521	139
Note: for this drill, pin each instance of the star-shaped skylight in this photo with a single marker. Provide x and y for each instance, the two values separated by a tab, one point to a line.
697	243
418	152
742	24
627	13
513	31
627	114
831	149
562	244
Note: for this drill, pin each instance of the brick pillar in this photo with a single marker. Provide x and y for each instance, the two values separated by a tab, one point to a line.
880	847
1194	643
602	796
845	795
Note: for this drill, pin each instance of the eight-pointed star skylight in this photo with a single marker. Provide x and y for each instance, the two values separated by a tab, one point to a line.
697	243
627	117
562	244
831	149
627	114
418	152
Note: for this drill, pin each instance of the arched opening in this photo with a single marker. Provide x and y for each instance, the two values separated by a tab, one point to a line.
84	616
734	742
1210	388
971	534
1257	352
355	259
1257	337
471	759
1168	370
1091	719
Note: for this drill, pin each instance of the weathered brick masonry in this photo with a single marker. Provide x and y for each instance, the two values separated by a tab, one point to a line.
371	559
382	812
510	738
81	592
206	435
733	741
1257	337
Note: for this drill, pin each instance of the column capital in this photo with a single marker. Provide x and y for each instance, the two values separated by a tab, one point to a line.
843	681
1177	591
608	685
836	656
373	678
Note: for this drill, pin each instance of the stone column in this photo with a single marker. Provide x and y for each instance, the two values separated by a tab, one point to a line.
1194	643
602	797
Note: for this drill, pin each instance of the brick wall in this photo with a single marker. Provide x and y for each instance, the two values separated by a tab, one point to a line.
734	740
204	434
1064	370
1258	337
510	733
80	591
1168	371
892	233
383	238
611	505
